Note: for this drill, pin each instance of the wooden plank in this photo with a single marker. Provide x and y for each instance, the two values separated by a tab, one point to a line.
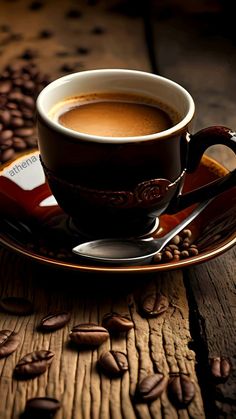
212	288
154	345
193	50
96	38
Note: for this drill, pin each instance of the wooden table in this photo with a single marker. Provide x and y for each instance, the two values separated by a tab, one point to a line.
193	46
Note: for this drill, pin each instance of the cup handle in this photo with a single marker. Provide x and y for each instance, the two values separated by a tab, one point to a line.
197	145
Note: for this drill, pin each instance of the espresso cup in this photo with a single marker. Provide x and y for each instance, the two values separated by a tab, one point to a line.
118	186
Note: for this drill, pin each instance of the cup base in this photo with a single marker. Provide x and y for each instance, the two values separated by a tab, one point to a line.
120	231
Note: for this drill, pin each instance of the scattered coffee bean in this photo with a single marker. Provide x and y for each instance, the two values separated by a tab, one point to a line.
97	30
113	363
175	240
35	5
73	14
115	322
67	68
151	387
5	86
193	251
82	50
167	256
220	368
89	334
181	391
16	305
41	407
45	34
33	364
186	233
7	155
184	254
9	341
54	321
180	247
5	28
154	304
28	54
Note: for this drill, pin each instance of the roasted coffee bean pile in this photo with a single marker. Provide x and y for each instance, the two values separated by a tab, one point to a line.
178	385
20	85
180	247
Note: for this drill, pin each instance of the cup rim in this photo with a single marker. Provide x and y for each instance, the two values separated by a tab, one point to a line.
72	134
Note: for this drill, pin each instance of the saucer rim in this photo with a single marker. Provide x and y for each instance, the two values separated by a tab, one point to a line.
152	268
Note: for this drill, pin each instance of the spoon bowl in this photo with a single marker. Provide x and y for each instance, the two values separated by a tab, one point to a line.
132	251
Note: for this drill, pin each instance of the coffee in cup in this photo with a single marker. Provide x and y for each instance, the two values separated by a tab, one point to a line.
114	115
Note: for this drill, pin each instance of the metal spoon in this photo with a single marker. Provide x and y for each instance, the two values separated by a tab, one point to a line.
132	251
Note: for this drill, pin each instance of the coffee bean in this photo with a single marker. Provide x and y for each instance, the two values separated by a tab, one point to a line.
175	240
220	368
82	50
19	144
113	363
176	258
5	86
114	322
7	155
41	407
28	102
181	391
54	321
151	387
185	245
6	135
184	254
73	14
176	252
193	251
6	144
11	105
9	341
154	304
33	364
89	334
35	5
97	30
29	85
157	257
173	247
17	122
16	305
24	132
28	54
16	97
186	233
167	256
45	34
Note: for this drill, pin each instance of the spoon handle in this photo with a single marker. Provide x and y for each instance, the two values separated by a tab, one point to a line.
199	208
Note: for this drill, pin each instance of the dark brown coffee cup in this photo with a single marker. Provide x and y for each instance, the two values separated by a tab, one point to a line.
117	186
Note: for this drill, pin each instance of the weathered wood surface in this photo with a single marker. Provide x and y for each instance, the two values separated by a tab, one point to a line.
201	56
212	290
153	345
157	344
195	51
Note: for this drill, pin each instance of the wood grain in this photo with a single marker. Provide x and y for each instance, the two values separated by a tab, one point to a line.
213	290
154	345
